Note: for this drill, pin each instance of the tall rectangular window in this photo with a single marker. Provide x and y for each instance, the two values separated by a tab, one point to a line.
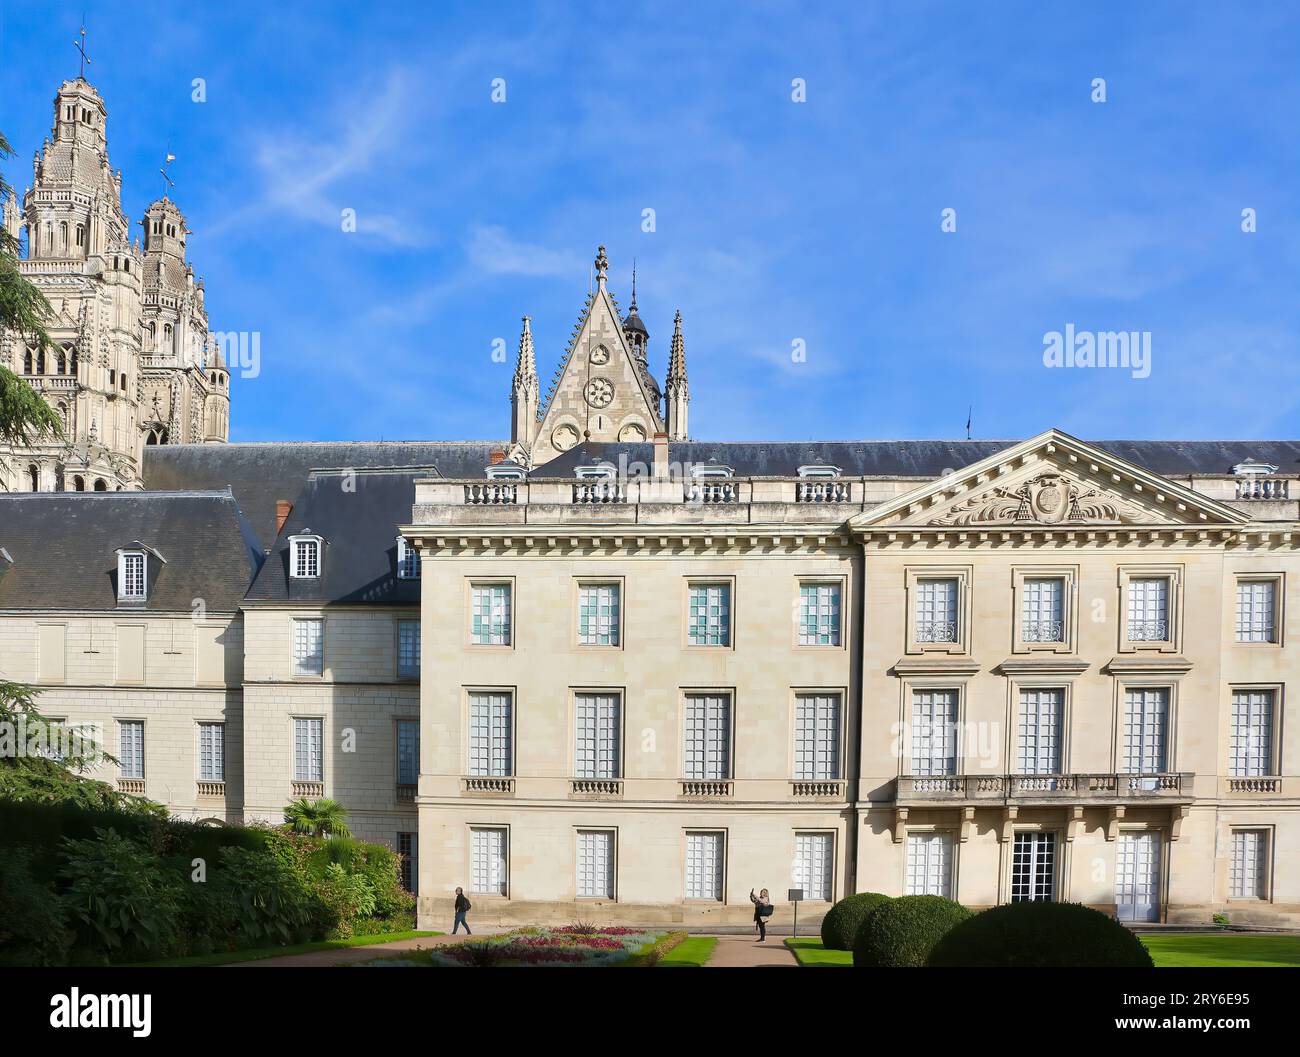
408	560
308	745
819	614
131	748
595	864
1039	736
408	751
704	866
306	558
408	854
1256	610
1248	870
408	649
308	652
598	614
212	752
131	575
487	861
1033	868
934	732
709	615
1252	733
929	864
1146	723
707	752
1043	610
1148	609
597	736
936	610
491	735
490	615
817	737
814	865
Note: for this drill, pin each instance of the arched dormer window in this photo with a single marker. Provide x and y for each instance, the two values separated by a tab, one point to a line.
101	485
61	363
40	362
27	362
78	484
819	470
305	556
408	560
601	471
34	477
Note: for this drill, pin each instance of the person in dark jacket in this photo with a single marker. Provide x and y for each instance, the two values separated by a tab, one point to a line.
762	908
462	908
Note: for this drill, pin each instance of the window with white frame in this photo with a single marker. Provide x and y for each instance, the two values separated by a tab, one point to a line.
408	751
408	853
934	732
1146	730
709	615
1033	868
814	866
487	861
1251	751
1257	611
212	752
1042	606
597	736
817	737
408	560
704	853
491	734
304	556
1248	869
131	748
308	746
936	610
490	614
707	728
131	580
1038	739
408	649
929	864
308	651
819	614
595	864
1148	609
598	615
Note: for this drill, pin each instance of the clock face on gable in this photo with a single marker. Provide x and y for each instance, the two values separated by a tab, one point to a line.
599	392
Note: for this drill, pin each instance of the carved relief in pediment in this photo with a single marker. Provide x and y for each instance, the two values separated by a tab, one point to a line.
1048	499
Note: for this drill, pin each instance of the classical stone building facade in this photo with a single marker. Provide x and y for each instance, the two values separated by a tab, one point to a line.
133	363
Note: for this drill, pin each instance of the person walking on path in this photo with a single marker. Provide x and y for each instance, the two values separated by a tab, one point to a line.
463	907
762	910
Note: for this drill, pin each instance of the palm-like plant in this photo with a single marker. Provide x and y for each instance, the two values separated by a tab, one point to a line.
320	818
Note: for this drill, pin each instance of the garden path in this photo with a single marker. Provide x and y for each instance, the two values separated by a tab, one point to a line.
746	952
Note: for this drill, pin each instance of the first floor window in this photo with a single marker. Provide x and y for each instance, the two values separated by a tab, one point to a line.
817	737
408	751
1043	610
704	866
488	861
308	742
490	615
710	615
1148	609
596	864
1248	871
934	732
929	864
936	610
707	752
131	748
408	649
1146	720
597	736
598	614
1252	733
1033	868
1039	737
212	751
819	614
308	652
1256	610
814	865
408	854
491	735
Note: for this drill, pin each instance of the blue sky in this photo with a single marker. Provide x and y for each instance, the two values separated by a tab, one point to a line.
776	221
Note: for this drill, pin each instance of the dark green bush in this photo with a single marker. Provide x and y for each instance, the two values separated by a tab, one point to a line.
1033	935
270	897
903	931
840	925
32	931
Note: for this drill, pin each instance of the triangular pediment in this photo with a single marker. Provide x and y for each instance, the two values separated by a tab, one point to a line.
1050	481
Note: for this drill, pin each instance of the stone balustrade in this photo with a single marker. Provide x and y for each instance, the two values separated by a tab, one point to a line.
1020	788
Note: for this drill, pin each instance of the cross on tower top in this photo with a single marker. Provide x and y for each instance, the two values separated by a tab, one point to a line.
80	45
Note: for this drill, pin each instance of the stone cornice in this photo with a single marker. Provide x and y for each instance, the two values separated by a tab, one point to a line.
441	541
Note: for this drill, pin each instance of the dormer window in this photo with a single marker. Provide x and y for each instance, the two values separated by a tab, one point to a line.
819	470
304	556
712	470
132	576
506	471
408	560
1253	468
603	471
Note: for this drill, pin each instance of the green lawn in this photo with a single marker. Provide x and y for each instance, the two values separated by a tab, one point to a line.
695	950
1223	949
808	950
256	954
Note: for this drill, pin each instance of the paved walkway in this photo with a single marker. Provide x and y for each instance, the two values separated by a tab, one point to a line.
350	955
733	952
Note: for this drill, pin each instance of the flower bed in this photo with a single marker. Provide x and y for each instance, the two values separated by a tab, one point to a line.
577	945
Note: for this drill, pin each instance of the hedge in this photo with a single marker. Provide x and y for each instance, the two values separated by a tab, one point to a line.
901	932
1041	935
840	924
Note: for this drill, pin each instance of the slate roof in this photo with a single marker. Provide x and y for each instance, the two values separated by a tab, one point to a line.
260	474
64	549
360	531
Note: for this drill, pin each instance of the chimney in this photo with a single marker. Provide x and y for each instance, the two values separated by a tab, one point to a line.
498	455
661	455
282	509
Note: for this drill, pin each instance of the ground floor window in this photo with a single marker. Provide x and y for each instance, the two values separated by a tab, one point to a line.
596	864
704	853
929	864
408	852
1248	870
814	865
1033	867
488	861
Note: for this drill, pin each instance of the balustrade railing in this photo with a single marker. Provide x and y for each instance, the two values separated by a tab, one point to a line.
492	493
821	491
1264	488
1012	787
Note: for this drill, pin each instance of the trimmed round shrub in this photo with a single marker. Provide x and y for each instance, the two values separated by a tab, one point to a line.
903	931
1034	935
841	922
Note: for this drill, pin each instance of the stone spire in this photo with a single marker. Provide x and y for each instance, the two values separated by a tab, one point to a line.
525	391
678	392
